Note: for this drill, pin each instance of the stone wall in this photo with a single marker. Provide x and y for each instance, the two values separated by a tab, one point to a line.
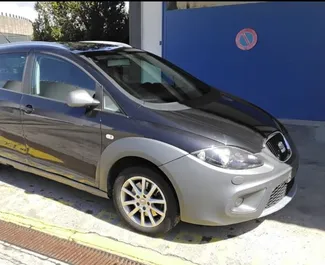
12	24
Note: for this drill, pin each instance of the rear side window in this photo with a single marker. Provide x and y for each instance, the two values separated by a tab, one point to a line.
11	71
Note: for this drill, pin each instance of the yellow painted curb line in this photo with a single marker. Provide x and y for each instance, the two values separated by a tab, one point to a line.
140	254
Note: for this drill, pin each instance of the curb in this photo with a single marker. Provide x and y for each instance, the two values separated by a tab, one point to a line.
139	254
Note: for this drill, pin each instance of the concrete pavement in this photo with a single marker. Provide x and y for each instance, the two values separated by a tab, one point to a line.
295	235
12	255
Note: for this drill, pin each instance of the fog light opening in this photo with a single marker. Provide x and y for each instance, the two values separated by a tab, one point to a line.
239	202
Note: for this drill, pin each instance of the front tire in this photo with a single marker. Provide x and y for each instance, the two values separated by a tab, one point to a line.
145	201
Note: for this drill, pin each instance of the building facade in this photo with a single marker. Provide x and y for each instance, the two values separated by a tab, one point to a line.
269	53
14	28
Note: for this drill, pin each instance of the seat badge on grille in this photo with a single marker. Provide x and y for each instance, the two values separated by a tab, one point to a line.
281	147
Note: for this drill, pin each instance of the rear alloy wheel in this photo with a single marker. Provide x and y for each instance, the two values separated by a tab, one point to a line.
145	200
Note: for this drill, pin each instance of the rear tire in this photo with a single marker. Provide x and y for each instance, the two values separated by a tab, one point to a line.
151	208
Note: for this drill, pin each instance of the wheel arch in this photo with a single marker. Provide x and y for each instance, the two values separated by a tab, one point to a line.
131	161
129	151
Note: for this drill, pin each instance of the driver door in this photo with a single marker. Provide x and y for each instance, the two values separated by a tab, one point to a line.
61	139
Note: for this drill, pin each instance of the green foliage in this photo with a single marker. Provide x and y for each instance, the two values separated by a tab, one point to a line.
76	21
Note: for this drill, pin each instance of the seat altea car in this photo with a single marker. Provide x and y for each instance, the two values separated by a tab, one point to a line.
123	123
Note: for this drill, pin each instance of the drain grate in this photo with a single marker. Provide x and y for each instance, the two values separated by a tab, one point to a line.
57	248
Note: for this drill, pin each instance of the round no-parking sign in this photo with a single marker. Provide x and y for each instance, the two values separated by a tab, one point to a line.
246	39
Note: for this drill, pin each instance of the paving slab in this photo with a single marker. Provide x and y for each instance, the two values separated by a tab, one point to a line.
12	255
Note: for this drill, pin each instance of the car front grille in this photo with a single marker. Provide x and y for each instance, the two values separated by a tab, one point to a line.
279	146
279	192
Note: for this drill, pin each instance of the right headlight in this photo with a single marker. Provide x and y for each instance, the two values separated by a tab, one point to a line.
229	157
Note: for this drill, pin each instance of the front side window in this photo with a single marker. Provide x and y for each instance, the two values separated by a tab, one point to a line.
150	78
55	78
12	70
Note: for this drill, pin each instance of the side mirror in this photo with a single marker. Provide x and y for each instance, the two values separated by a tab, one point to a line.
81	98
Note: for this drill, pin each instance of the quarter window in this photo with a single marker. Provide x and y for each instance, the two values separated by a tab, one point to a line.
109	104
55	78
11	71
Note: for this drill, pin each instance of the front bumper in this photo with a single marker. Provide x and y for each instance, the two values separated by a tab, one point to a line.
209	195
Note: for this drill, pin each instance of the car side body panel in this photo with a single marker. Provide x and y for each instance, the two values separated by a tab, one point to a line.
60	139
12	142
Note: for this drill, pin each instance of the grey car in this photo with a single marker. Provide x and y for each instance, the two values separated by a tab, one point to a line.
123	123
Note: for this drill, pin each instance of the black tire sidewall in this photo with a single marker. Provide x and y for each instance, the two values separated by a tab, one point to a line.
172	216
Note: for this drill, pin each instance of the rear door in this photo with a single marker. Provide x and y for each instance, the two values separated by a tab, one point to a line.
61	139
12	144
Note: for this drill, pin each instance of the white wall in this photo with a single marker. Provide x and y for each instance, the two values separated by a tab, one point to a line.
151	27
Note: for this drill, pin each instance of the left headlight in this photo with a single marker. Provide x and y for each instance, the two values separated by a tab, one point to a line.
229	157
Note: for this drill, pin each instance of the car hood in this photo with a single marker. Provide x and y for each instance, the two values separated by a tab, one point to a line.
224	118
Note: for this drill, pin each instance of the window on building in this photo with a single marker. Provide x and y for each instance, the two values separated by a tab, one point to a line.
174	5
55	78
12	70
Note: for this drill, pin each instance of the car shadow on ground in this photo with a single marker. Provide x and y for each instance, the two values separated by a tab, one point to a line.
306	210
104	210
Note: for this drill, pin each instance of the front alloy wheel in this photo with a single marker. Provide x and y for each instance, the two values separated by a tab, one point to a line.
145	200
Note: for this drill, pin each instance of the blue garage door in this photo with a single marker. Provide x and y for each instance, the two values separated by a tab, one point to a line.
284	73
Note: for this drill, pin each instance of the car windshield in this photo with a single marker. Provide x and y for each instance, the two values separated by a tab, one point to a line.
150	78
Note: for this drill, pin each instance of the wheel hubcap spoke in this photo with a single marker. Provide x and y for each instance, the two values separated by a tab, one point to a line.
126	203
152	190
136	190
135	210
128	192
152	220
147	206
143	186
158	211
155	201
142	218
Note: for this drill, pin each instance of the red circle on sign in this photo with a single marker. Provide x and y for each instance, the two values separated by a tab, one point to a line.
246	39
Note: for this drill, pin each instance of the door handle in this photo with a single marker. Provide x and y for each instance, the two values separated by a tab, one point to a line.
28	109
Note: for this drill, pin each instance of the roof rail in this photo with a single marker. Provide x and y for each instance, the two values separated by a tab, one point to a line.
108	43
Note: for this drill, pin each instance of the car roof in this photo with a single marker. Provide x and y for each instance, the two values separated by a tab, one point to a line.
74	47
107	42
